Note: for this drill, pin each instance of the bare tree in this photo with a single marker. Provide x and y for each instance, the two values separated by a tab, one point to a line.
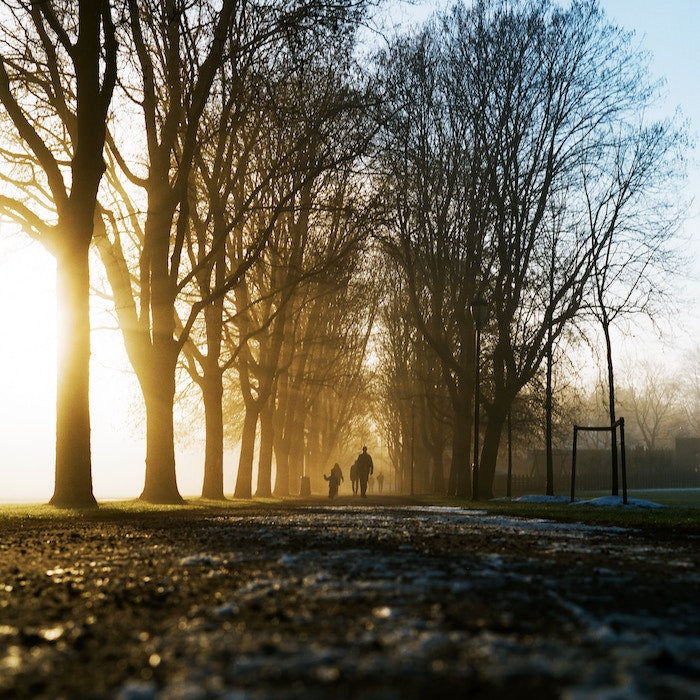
690	394
177	52
633	215
651	400
495	116
563	82
58	67
429	176
161	302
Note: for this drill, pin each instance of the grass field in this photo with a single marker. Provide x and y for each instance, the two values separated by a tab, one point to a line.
681	514
684	498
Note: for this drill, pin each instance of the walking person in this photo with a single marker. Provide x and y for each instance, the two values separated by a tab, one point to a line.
336	476
354	479
380	482
365	467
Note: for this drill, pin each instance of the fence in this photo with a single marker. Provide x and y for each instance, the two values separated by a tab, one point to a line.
657	469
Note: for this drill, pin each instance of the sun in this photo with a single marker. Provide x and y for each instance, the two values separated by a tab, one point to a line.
27	369
28	386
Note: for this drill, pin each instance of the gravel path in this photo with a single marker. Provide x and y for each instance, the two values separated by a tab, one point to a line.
344	601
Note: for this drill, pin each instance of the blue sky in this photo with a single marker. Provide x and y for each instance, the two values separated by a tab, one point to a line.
670	31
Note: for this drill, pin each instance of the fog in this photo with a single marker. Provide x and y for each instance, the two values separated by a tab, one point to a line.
27	310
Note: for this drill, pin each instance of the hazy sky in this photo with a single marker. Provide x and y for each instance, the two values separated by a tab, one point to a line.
670	30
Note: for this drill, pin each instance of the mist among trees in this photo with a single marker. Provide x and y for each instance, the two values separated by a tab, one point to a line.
293	221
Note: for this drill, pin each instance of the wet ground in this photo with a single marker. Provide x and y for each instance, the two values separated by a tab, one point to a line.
344	601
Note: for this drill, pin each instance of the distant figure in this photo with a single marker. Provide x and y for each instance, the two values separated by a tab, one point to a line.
370	484
336	476
380	482
354	479
365	467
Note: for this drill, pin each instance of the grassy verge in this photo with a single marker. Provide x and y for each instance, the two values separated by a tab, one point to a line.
673	520
681	516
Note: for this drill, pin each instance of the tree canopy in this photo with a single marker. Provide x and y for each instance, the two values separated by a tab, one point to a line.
298	228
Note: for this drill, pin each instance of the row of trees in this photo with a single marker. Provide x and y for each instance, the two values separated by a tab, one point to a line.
517	163
227	214
266	208
658	405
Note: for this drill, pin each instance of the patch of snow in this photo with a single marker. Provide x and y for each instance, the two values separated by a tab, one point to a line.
535	498
445	510
616	502
137	690
227	611
200	560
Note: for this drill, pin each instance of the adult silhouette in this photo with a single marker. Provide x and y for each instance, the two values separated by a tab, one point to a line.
355	479
365	467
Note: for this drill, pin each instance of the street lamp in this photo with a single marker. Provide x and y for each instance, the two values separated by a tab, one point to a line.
480	314
413	424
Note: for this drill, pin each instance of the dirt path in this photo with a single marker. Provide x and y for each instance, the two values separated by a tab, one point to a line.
344	601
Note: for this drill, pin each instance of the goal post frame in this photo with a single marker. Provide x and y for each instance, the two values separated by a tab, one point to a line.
606	428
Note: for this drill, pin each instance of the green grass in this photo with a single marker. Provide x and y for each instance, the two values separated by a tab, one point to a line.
684	498
671	520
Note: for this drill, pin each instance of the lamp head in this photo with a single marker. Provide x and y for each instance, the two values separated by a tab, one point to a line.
480	311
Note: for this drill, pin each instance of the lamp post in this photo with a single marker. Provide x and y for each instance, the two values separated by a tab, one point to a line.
509	484
480	313
413	423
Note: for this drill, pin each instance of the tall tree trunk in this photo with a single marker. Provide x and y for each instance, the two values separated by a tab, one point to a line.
296	453
548	417
282	478
611	405
244	479
438	478
459	482
94	58
549	388
280	438
73	477
312	449
293	431
212	394
159	395
497	415
213	390
394	451
268	370
154	362
159	387
267	433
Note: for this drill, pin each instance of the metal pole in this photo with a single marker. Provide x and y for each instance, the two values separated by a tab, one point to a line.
510	457
475	471
623	462
573	466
